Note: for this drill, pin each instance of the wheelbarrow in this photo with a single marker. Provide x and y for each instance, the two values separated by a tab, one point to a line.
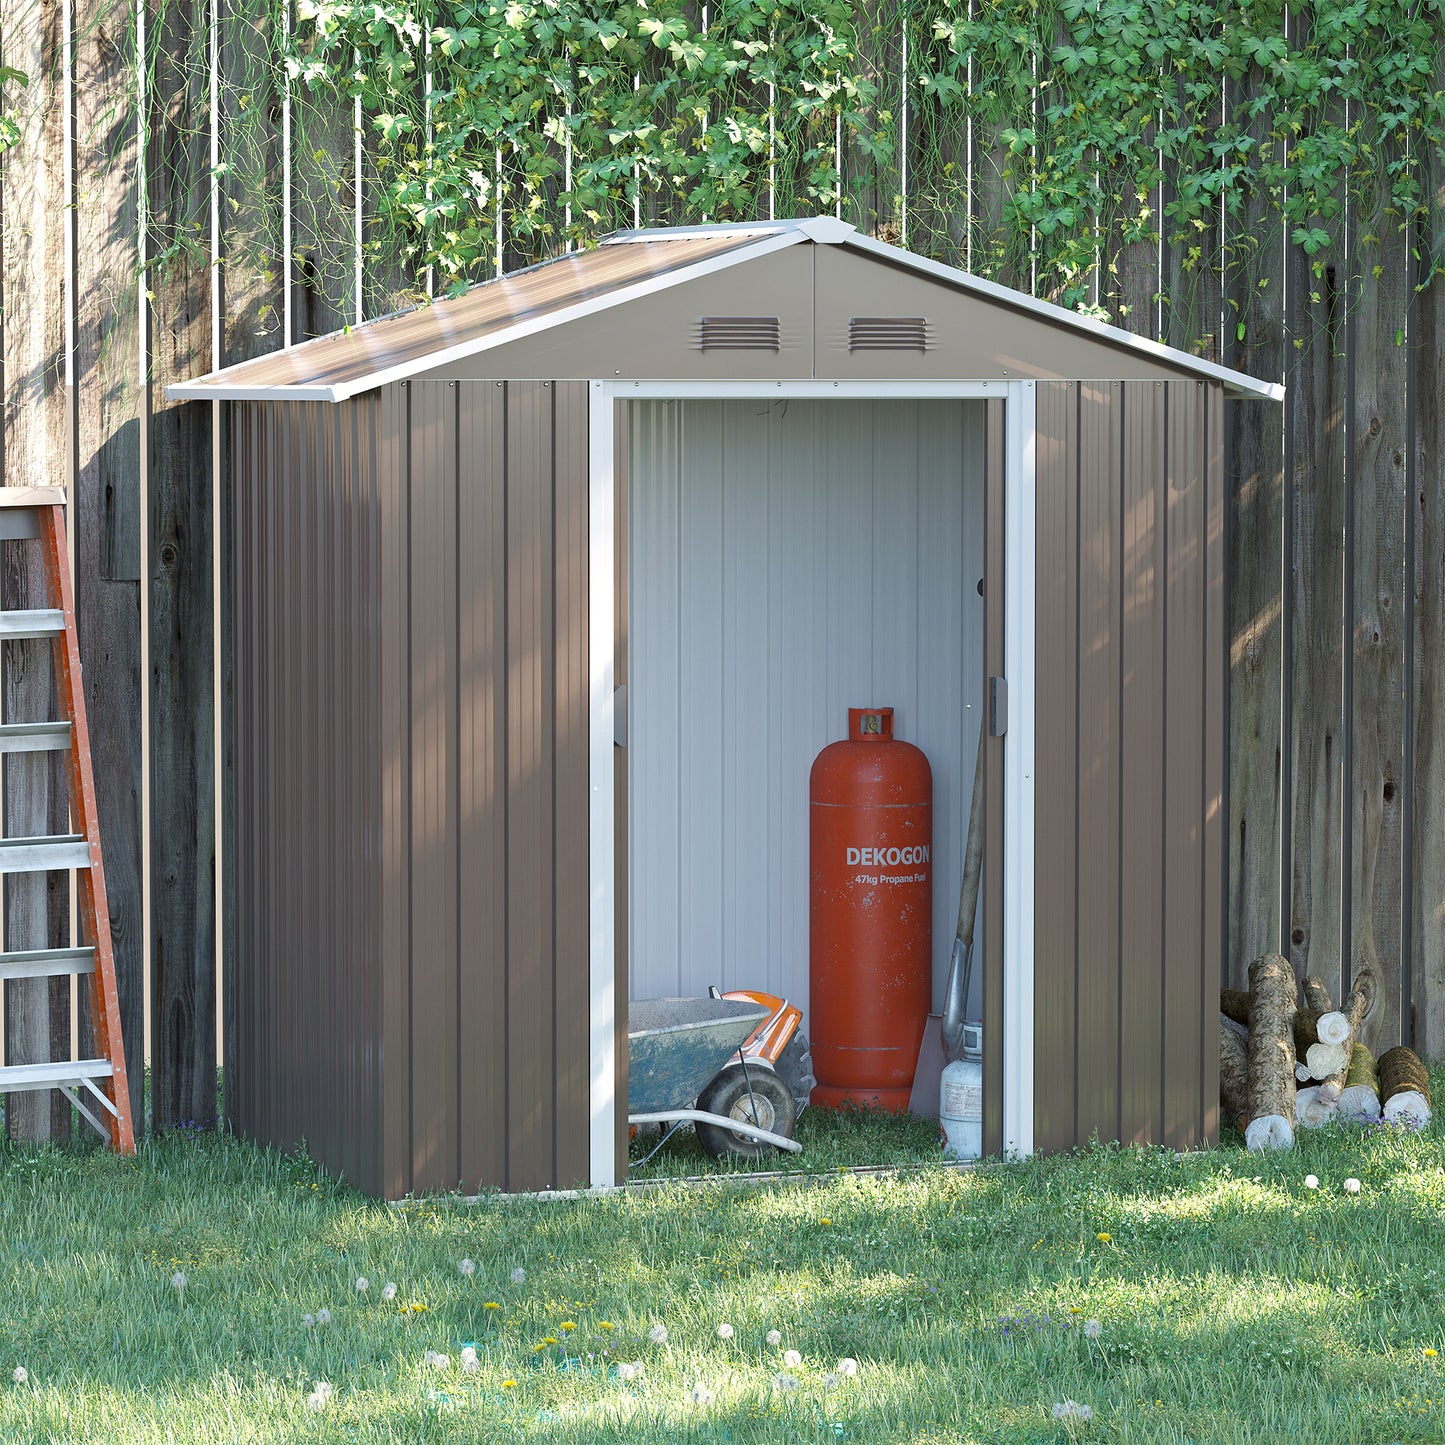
710	1062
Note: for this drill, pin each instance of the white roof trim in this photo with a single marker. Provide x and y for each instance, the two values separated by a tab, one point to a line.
213	387
771	236
1237	381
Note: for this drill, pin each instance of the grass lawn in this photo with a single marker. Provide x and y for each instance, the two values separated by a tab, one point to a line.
1233	1303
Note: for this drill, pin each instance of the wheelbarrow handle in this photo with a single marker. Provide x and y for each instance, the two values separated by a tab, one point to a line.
736	1126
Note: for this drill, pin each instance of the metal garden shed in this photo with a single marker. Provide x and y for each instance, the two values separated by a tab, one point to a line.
543	599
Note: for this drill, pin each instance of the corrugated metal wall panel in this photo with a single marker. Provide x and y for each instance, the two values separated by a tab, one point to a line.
1056	758
788	561
1129	912
482	715
411	847
991	898
434	879
1216	712
306	811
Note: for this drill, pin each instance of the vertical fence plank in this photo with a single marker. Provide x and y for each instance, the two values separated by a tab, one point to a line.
1255	463
105	515
36	452
1379	442
183	922
1427	900
1316	417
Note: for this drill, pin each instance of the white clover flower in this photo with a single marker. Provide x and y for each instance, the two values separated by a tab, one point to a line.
1312	1181
467	1268
701	1395
178	1282
21	1375
1093	1329
1352	1186
658	1334
847	1367
308	1320
724	1332
792	1358
1072	1410
774	1337
830	1381
362	1285
323	1316
519	1275
786	1383
388	1292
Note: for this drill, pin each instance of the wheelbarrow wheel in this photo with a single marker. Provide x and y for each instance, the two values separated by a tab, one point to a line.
769	1105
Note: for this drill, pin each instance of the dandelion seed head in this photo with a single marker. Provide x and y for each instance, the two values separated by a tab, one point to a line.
308	1320
469	1355
786	1383
323	1317
658	1334
774	1337
724	1332
792	1358
437	1361
519	1275
1312	1181
468	1268
847	1367
830	1381
178	1281
325	1389
701	1395
388	1291
20	1375
1093	1329
1352	1186
1072	1410
362	1285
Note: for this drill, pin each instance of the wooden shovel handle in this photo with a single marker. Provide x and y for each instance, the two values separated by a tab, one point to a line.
973	853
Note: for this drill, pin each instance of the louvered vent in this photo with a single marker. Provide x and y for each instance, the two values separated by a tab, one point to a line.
741	333
887	333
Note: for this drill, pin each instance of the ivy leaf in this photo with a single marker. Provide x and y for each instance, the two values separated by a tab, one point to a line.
1312	239
453	42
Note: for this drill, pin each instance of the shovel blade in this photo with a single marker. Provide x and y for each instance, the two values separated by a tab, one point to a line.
928	1077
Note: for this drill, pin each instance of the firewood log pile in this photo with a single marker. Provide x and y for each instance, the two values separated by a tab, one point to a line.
1288	1060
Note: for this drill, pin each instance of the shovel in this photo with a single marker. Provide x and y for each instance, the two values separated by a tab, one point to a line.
943	1035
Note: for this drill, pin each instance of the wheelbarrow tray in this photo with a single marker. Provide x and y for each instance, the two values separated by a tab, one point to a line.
675	1046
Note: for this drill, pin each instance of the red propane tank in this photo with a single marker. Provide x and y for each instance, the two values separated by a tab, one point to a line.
870	913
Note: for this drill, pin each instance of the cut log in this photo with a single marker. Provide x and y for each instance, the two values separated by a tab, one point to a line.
1409	1106
1302	1073
1333	1028
1311	1110
1357	1008
1233	1072
1401	1071
1269	1131
1316	995
1326	1059
1360	1097
1273	994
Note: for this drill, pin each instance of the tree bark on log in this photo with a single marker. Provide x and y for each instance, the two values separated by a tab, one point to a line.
1234	1004
1316	995
1234	1072
1273	995
1401	1070
1356	1010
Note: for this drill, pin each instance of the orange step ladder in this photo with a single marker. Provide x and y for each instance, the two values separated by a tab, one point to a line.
97	1087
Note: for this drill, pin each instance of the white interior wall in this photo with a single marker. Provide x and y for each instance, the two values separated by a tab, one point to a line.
789	560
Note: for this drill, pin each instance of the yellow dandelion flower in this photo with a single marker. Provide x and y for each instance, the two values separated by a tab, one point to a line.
825	1221
549	1339
491	1304
537	1349
509	1384
605	1325
568	1325
1075	1310
1430	1354
1104	1238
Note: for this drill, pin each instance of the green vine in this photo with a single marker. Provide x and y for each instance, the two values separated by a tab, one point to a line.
1062	145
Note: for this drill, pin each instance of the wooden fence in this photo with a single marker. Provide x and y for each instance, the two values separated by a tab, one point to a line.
1337	780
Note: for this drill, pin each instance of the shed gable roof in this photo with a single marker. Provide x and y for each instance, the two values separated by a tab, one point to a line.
624	267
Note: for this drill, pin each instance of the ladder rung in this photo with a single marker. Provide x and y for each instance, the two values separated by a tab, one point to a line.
46	962
40	855
20	1078
43	737
46	622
